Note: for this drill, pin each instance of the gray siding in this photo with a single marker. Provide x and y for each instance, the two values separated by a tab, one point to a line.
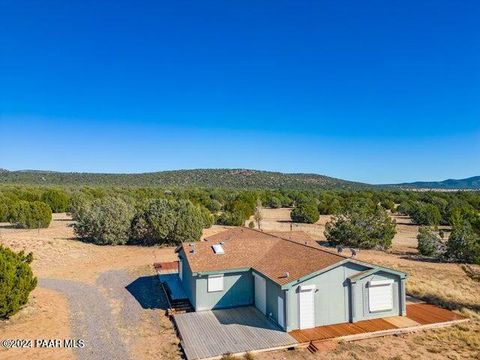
237	291
332	297
360	297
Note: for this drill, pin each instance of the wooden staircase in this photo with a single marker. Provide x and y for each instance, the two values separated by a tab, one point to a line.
181	306
321	345
177	306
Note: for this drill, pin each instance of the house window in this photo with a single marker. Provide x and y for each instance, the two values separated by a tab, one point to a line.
380	295
215	283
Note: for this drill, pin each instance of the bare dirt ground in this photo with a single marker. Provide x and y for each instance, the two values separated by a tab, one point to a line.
122	279
105	295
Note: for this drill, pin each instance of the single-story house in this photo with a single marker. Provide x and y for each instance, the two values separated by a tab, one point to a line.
294	284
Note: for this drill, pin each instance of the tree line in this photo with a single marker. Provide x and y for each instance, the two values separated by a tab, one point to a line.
148	216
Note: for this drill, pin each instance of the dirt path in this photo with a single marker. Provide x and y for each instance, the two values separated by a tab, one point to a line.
91	320
111	314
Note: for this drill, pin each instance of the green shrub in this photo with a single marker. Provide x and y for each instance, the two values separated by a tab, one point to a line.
425	214
329	206
429	244
305	212
361	226
78	204
214	206
30	215
16	281
5	206
388	204
164	221
105	221
463	244
274	202
251	224
207	217
231	219
56	199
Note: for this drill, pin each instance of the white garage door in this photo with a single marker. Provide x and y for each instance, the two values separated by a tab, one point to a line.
306	307
260	293
380	295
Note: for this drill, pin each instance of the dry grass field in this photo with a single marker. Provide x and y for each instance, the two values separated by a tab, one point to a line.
148	334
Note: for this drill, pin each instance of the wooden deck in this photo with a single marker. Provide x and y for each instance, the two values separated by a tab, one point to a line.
210	334
418	316
430	314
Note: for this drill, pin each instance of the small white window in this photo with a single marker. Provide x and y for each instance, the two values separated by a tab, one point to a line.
215	283
380	295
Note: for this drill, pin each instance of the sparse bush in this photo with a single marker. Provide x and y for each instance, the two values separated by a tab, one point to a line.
105	222
429	244
248	356
30	215
56	199
305	212
361	226
16	281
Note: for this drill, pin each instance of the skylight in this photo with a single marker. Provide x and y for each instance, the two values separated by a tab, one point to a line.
218	249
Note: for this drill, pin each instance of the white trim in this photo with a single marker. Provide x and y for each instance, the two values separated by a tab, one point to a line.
281	312
180	269
380	282
307	287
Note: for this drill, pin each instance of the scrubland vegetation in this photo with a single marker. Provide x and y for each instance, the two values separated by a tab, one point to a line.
157	216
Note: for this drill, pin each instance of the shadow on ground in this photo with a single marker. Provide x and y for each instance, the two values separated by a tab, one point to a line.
148	292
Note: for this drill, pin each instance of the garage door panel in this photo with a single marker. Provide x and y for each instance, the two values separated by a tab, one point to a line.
306	304
380	297
260	293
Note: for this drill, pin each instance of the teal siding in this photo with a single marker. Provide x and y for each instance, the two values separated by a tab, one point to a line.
337	299
360	296
189	284
273	292
237	291
332	297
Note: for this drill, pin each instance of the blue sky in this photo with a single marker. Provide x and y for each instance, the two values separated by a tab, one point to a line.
374	91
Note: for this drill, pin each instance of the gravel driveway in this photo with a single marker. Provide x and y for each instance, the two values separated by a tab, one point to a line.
107	332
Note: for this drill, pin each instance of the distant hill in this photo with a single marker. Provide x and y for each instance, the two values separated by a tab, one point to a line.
472	183
223	178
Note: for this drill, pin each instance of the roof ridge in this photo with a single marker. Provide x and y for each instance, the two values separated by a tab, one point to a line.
299	243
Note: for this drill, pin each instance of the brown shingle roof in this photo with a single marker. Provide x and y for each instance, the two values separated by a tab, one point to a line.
268	254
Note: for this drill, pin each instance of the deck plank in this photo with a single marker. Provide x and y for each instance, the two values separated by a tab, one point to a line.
208	334
417	314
